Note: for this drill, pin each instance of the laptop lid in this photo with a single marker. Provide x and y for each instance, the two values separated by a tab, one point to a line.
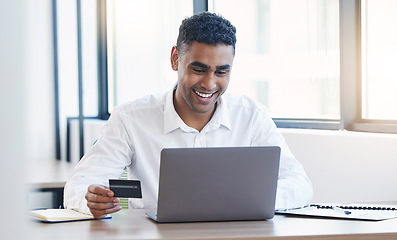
217	184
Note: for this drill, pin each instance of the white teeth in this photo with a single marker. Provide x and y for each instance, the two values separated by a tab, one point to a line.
203	95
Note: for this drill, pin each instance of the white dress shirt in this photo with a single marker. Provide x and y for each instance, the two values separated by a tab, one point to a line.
137	131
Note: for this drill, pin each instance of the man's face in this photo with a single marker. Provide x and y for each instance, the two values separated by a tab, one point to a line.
203	76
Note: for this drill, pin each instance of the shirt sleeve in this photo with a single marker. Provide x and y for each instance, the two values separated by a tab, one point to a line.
105	160
294	188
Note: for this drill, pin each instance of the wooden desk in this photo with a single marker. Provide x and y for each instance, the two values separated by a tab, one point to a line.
50	175
133	224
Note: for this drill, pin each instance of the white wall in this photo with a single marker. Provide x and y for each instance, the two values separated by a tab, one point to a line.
26	102
40	82
12	127
40	109
347	166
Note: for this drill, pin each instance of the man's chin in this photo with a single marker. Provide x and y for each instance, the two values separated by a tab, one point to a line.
204	109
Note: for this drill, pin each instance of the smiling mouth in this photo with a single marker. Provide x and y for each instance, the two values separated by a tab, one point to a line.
203	95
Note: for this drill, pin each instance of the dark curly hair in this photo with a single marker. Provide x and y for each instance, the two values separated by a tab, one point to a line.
208	28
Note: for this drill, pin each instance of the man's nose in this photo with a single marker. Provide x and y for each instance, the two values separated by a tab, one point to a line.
209	81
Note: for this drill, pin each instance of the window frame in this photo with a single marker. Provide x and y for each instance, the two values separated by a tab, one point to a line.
56	79
350	73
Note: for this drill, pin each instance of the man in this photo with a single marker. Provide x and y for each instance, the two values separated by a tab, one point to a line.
197	113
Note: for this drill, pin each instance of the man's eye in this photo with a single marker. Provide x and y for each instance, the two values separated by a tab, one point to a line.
221	73
198	70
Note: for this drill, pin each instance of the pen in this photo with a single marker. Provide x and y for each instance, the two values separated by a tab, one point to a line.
340	210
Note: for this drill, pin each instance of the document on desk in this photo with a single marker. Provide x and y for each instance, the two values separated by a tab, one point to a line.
351	211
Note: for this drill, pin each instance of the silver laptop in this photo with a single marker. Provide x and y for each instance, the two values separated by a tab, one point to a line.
217	184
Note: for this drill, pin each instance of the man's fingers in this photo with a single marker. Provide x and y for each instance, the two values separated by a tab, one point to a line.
92	197
101	190
102	213
101	206
100	201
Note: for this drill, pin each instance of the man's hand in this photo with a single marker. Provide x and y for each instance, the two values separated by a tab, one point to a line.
100	201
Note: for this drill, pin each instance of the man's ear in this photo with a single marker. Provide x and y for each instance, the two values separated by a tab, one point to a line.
174	58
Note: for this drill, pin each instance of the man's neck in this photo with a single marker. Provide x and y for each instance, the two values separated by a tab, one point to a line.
198	120
193	119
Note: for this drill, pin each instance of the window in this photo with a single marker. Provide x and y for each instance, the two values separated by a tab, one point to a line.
68	56
379	58
287	55
140	37
325	64
68	20
368	82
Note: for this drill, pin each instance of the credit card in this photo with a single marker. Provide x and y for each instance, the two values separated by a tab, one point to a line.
126	188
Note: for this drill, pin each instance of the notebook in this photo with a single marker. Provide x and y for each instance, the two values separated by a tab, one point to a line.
371	212
60	215
217	184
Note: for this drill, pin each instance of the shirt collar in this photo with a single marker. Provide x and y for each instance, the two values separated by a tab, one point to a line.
172	120
221	116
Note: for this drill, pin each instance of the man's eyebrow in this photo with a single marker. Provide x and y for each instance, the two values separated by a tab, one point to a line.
223	67
199	64
205	66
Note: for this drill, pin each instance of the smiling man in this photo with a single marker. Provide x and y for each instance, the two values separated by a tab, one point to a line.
196	113
203	76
